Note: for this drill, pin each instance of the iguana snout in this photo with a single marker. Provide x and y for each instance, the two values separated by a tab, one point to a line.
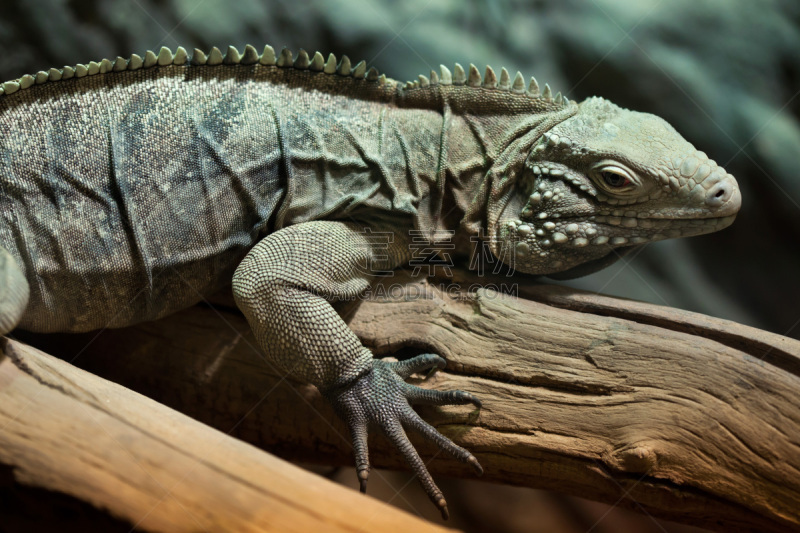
609	178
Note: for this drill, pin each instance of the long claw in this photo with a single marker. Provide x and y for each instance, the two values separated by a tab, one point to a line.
394	431
475	464
363	476
442	505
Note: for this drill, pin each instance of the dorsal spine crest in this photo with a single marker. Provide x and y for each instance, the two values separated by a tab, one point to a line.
232	57
316	64
489	81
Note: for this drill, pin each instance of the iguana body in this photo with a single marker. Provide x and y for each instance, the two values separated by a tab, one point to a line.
136	188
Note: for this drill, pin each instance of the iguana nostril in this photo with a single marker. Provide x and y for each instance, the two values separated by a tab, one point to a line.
720	193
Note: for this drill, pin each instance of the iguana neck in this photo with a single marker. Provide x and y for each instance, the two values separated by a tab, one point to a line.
485	137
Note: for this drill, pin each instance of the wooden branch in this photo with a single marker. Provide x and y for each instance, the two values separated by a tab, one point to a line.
77	447
686	417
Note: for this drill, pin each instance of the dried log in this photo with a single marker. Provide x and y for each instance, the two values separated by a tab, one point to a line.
78	453
683	416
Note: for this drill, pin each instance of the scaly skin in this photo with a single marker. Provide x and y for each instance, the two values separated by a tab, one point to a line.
134	188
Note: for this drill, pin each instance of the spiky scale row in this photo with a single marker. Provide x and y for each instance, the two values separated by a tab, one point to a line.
459	77
232	56
505	80
165	57
344	66
489	81
446	78
518	86
150	59
10	87
285	59
199	57
360	70
474	78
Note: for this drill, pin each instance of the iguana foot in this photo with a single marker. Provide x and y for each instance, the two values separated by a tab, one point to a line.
382	398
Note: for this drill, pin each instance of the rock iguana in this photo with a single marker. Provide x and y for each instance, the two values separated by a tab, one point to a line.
132	188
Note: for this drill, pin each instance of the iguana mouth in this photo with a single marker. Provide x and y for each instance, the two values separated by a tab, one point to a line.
661	228
673	228
600	230
569	247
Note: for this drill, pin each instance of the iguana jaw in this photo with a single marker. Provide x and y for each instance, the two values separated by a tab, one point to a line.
550	246
693	227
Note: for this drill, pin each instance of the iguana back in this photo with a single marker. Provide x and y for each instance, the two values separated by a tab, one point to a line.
134	188
128	195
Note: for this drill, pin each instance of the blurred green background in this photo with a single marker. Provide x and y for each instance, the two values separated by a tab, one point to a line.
726	74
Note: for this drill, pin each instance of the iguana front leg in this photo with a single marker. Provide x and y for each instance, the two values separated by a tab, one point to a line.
284	287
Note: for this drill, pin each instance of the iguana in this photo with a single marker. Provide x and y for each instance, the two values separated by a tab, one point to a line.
132	188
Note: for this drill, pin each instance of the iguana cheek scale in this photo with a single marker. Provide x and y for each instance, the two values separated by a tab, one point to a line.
135	187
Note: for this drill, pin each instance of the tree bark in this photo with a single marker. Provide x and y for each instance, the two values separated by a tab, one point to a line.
680	415
78	453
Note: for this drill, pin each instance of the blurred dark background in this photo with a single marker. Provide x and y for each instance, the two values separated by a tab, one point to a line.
726	75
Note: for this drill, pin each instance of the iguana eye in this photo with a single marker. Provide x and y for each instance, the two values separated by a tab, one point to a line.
614	180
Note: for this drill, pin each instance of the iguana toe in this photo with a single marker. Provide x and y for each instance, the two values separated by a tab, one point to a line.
381	398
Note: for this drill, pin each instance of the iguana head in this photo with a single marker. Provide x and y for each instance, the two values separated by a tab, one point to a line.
608	178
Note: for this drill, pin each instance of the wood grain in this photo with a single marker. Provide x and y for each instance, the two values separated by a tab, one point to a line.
73	444
680	415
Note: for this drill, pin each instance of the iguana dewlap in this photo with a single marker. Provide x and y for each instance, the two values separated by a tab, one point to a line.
133	188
